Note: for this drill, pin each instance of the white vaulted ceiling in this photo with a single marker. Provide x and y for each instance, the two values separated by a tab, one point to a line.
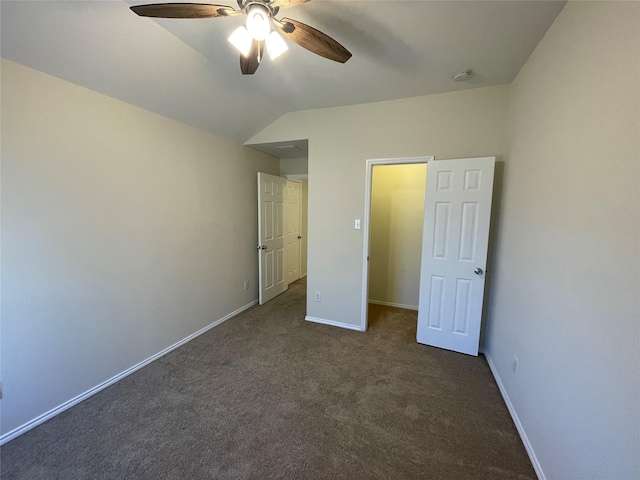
185	68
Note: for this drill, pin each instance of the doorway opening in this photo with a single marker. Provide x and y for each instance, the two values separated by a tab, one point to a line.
394	219
282	204
457	215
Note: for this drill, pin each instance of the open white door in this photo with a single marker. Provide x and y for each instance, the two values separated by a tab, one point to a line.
454	253
292	213
271	236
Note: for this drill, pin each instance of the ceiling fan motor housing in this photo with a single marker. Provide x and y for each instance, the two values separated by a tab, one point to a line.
246	4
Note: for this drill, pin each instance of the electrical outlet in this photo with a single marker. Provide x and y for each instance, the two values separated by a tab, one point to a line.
514	365
246	284
318	296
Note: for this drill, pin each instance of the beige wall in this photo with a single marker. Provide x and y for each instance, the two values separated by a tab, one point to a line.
117	237
566	286
395	246
470	123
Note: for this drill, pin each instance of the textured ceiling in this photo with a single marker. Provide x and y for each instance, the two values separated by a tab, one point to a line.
186	69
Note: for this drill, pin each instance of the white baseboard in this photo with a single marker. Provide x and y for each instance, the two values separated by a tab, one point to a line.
397	305
16	432
523	435
333	323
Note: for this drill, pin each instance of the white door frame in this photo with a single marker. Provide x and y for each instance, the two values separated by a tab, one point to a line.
367	227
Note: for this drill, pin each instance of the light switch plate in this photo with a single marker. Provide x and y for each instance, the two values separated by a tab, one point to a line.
357	224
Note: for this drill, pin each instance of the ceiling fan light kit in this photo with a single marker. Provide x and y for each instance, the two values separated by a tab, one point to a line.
252	40
258	28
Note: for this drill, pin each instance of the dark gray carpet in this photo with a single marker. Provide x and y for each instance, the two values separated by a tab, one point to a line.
269	395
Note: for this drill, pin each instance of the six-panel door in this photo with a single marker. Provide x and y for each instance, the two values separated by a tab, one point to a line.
271	236
454	253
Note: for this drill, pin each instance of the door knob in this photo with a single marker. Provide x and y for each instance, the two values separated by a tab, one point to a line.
299	237
262	247
478	271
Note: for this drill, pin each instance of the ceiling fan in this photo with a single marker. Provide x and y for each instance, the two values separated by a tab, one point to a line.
257	36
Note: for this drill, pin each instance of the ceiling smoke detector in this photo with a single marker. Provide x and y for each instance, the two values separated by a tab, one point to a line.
462	75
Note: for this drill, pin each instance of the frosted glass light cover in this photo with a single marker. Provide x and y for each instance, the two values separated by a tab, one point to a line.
242	40
276	45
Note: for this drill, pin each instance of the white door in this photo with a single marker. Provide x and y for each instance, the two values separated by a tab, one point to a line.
292	217
454	253
271	236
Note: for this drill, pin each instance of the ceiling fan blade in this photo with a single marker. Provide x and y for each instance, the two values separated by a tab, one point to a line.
313	40
250	63
183	10
287	3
